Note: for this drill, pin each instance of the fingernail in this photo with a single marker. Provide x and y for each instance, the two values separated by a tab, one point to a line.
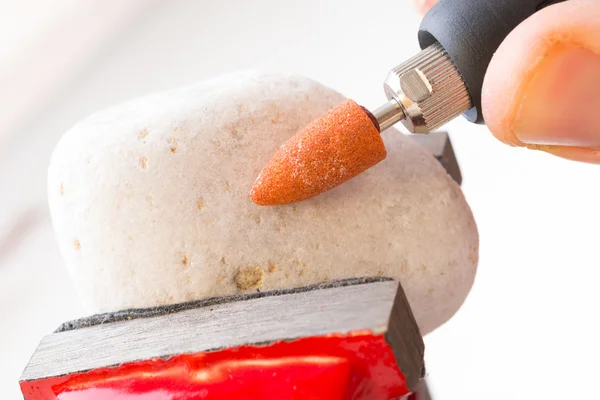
581	154
560	105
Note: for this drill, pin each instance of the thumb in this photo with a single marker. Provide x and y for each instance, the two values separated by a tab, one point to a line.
542	88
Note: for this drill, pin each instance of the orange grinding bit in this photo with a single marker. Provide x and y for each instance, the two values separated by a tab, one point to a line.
336	147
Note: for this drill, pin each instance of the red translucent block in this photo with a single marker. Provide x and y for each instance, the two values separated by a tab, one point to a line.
357	366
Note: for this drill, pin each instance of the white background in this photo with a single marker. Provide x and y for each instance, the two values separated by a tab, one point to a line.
530	328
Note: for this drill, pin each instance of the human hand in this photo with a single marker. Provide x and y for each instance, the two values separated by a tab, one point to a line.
542	88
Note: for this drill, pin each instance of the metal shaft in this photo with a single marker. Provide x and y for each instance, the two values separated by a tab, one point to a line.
388	114
425	92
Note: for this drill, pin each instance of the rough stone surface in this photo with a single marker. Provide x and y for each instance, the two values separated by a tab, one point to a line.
150	202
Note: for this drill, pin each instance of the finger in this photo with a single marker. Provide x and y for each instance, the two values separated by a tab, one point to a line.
423	5
542	88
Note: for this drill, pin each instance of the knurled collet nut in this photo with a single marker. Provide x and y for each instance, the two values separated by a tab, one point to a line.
430	90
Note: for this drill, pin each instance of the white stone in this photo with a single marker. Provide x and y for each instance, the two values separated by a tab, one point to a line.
150	203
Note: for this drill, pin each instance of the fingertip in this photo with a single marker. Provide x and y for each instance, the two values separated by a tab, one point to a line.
530	95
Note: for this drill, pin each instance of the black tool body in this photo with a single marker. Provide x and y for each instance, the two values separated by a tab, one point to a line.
471	31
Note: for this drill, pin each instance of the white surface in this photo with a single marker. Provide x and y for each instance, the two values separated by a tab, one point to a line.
42	47
530	327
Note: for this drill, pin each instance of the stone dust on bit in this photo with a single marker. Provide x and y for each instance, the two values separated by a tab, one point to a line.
334	148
